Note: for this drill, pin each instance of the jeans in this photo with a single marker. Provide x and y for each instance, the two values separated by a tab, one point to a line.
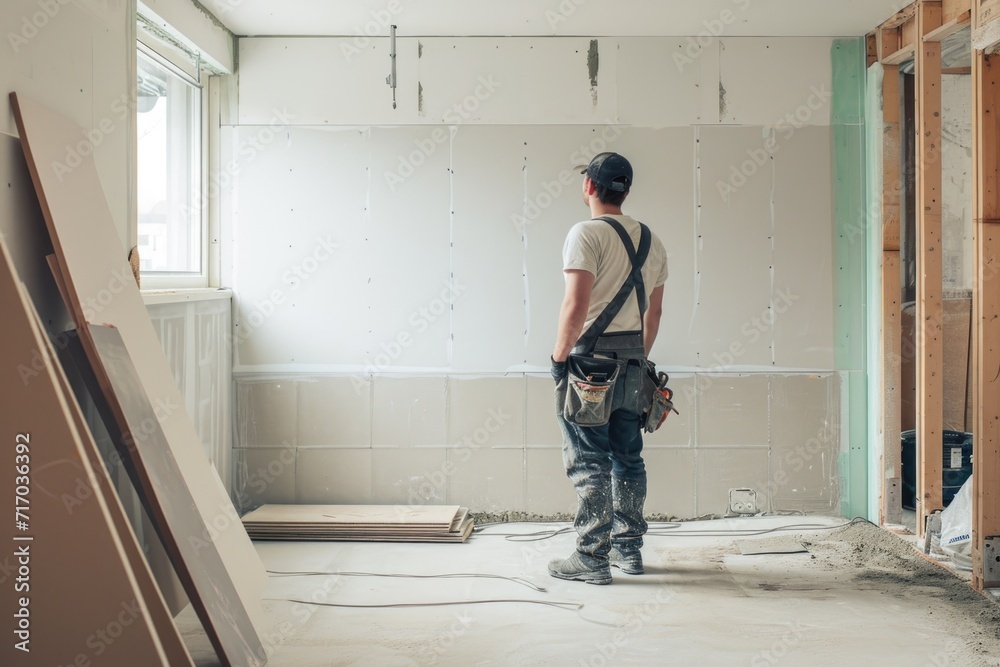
606	467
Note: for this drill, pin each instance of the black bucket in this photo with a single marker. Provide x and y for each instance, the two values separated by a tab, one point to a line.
956	465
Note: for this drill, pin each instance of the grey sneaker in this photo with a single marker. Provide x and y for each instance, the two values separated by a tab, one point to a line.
575	569
629	564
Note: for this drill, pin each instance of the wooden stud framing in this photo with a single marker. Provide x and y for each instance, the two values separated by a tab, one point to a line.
892	502
871	49
987	11
951	9
930	348
985	304
949	28
895	39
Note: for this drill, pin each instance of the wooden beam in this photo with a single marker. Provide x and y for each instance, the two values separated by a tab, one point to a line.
948	29
901	56
892	478
930	347
985	37
900	17
987	10
899	44
892	487
952	8
957	70
891	165
871	49
985	305
910	31
887	42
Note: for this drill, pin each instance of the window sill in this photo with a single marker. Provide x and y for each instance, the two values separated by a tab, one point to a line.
161	296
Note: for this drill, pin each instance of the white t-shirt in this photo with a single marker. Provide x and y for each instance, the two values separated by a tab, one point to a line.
594	246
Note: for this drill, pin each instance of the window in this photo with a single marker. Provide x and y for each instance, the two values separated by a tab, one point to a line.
171	228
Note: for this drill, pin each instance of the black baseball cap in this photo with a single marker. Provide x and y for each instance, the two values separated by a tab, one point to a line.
610	170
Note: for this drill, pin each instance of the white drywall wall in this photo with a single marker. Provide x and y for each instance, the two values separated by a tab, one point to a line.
467	183
73	58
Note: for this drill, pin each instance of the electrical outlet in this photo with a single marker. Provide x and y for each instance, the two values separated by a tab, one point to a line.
742	501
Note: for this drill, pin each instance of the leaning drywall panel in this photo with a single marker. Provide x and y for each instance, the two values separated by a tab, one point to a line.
409	225
660	83
769	81
69	512
488	184
802	296
517	80
23	230
663	197
101	287
734	251
302	255
327	81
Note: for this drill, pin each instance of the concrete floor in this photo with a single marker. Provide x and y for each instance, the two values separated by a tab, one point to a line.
859	597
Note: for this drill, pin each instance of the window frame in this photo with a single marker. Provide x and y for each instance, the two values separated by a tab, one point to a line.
193	74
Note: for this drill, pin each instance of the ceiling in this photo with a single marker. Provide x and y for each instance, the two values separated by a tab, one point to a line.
832	18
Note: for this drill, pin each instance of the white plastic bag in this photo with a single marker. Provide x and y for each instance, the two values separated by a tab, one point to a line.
956	528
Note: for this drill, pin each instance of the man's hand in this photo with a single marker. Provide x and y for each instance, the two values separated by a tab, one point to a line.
559	370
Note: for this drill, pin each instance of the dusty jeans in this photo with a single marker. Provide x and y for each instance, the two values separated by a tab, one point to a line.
606	467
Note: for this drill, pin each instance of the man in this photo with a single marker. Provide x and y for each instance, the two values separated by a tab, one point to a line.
605	462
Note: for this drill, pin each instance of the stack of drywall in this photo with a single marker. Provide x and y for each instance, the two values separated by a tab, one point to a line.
367	523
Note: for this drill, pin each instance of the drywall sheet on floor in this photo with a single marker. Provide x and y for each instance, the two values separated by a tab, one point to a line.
734	256
206	578
100	282
303	259
409	234
803	248
667	82
66	521
343	83
490	321
771	81
517	80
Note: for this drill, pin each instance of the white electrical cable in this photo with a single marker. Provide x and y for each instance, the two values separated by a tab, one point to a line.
449	575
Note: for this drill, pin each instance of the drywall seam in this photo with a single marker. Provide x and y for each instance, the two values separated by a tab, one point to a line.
524	257
771	304
234	232
367	132
453	132
697	230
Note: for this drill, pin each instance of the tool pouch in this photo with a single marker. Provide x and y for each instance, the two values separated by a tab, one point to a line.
589	390
649	386
658	411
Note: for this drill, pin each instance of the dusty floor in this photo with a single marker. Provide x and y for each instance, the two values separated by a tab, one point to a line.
860	596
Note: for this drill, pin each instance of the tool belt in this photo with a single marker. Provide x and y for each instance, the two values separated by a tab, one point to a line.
607	372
